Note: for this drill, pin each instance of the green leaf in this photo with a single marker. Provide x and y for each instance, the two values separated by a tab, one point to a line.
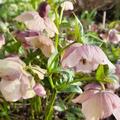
100	73
60	106
52	61
74	89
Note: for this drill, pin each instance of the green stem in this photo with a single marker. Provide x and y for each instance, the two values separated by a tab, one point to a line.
57	24
59	53
49	110
56	41
51	81
102	85
11	35
61	15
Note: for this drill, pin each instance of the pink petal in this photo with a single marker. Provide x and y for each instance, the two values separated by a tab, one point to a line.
44	43
10	69
92	86
24	36
116	113
39	90
114	36
32	20
84	96
10	90
69	50
107	107
50	27
27	83
115	100
91	108
71	60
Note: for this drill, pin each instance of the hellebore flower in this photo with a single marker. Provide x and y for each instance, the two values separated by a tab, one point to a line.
67	5
32	39
84	58
99	104
114	36
23	35
2	40
15	82
39	21
39	90
20	88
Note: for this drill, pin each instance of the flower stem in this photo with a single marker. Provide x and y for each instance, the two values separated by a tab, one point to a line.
102	85
51	81
49	110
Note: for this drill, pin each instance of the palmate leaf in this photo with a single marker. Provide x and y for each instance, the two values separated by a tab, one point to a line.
65	79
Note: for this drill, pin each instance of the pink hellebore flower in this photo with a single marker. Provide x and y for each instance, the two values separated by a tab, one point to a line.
23	35
39	21
33	39
84	58
99	104
67	5
114	36
2	40
39	90
20	88
15	82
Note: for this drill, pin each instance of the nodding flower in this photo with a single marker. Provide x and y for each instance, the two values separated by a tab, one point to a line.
98	104
39	21
114	36
84	58
34	39
16	83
